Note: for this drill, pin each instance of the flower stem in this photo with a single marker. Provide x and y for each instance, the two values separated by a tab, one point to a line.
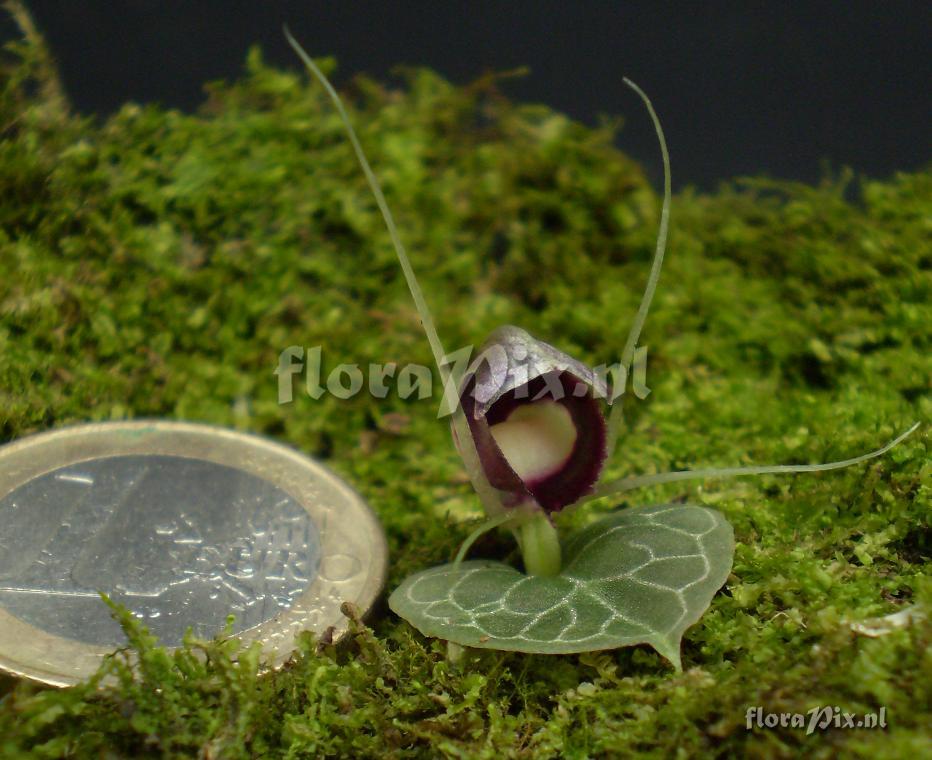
540	547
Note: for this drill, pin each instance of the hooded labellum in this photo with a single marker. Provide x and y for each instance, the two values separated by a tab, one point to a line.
536	421
530	430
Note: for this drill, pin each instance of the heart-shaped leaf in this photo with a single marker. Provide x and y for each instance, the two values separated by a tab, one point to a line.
640	576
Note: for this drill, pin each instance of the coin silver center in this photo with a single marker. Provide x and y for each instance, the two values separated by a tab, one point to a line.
180	542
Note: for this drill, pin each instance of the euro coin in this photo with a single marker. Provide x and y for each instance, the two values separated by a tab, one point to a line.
182	524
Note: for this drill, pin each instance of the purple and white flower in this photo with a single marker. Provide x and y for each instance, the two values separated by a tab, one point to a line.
535	417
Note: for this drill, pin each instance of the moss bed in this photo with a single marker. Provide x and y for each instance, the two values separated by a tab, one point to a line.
155	265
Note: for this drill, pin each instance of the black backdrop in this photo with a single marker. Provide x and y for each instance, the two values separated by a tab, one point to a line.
785	88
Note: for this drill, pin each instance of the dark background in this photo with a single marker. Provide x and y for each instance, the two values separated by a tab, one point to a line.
784	88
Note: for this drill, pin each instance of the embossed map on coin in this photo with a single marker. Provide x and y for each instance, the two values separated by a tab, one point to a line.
181	542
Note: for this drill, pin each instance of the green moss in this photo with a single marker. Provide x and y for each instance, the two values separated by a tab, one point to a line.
156	264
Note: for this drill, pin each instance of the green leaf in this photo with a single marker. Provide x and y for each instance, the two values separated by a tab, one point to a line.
641	576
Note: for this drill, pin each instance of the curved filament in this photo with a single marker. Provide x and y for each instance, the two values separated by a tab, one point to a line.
642	481
467	448
627	354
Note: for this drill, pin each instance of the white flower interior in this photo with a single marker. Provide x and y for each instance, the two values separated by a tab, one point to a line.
536	438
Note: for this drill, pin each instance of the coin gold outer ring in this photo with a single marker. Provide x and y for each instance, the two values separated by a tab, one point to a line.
354	554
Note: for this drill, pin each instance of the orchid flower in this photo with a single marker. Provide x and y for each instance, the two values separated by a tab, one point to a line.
528	421
535	420
536	423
